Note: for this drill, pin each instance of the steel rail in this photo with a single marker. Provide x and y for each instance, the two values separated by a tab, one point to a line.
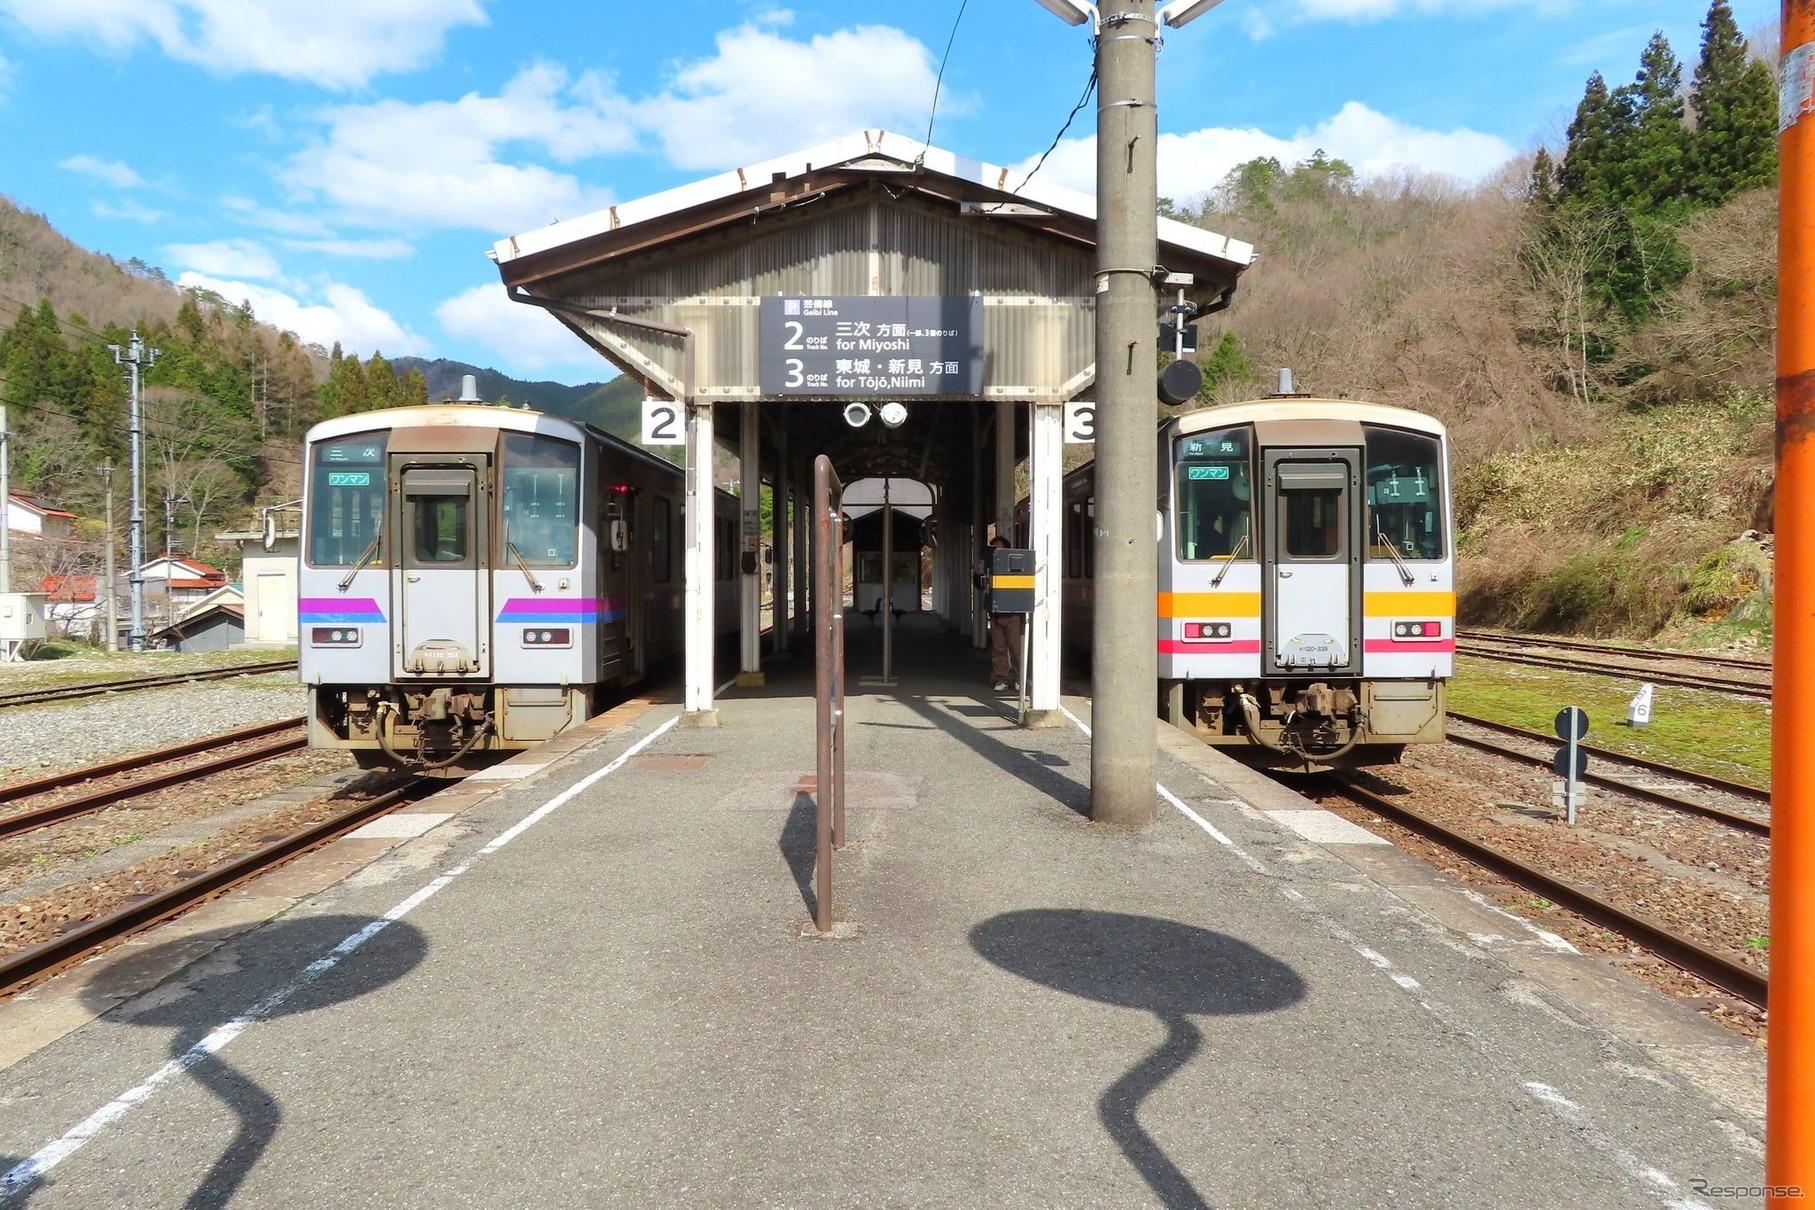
35	697
1677	680
1738	789
1663	798
1646	653
49	957
87	804
1699	960
14	791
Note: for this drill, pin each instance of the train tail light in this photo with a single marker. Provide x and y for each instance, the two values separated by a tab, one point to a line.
1208	630
334	636
547	636
1417	630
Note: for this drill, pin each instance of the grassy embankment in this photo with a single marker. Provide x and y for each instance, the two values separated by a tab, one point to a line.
1705	732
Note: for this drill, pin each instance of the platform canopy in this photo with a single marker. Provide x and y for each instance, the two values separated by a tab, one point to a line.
671	287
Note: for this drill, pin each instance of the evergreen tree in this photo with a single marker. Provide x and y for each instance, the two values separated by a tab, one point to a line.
415	388
381	382
1593	134
1734	144
345	391
1651	144
1542	191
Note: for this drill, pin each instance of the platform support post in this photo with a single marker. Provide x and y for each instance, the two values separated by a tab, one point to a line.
1790	1088
749	546
697	566
778	540
1046	466
973	551
1124	659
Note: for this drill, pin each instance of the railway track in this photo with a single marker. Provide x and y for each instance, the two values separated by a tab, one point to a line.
1642	653
1680	680
65	693
1721	969
32	965
101	798
1753	824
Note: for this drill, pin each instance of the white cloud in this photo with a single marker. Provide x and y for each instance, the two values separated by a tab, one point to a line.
763	94
357	249
334	43
1193	164
344	314
114	172
130	210
227	258
439	164
529	338
280	221
1263	21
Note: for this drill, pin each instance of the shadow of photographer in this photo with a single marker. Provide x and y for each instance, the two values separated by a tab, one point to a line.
1174	971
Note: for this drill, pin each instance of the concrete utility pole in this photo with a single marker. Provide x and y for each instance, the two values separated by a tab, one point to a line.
1790	1087
1123	661
137	357
109	626
6	503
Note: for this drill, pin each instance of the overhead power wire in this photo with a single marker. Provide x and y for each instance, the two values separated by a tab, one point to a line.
940	78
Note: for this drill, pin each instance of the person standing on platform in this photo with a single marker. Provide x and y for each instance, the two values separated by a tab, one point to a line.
1004	628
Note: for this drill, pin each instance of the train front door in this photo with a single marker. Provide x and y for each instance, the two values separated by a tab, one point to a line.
1312	556
442	580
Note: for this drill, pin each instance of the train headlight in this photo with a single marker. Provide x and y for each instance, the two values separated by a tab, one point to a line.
1417	630
547	636
334	636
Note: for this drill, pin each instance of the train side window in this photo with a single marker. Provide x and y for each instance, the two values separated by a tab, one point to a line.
661	535
346	500
1405	496
1214	516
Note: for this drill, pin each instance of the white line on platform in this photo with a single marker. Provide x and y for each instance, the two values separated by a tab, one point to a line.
33	1167
1660	1185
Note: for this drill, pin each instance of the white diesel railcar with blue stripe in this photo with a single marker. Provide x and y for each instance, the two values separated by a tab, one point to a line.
479	578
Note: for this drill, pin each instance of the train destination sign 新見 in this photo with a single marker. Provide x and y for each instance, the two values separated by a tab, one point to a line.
865	345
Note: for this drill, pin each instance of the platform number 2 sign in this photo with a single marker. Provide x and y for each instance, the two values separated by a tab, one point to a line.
663	423
1080	422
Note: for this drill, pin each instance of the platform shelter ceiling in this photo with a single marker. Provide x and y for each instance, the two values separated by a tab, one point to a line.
871	214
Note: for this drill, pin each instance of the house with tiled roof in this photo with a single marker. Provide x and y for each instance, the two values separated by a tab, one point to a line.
182	581
34	517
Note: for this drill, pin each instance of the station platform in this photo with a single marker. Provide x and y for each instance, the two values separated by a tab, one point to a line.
587	978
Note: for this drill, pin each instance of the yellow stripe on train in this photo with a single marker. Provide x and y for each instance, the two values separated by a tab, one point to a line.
1409	604
1209	604
1011	581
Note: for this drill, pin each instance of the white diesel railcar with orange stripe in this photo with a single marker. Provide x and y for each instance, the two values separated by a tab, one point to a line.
480	578
1307	599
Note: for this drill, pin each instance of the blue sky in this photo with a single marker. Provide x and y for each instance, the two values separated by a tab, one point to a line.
345	164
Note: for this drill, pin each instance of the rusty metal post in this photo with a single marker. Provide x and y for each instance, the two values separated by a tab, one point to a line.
1790	1089
828	653
838	730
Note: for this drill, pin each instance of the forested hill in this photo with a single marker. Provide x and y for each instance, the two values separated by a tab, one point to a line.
614	406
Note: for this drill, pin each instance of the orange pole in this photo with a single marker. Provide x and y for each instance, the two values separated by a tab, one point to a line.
1790	1095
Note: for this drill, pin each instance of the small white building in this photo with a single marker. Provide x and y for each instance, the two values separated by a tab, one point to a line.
32	516
268	578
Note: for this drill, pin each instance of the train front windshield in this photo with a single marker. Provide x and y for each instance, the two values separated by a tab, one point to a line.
1405	497
541	490
1215	494
346	500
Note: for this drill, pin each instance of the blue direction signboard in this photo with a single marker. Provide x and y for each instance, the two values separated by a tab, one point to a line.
843	346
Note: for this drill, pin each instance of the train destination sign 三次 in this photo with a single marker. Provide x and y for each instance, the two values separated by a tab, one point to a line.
862	345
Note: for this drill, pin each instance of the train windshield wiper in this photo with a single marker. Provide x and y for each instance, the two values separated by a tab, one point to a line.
1405	573
370	552
1229	559
523	563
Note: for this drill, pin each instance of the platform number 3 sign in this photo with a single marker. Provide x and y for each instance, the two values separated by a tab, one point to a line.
663	423
1080	422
